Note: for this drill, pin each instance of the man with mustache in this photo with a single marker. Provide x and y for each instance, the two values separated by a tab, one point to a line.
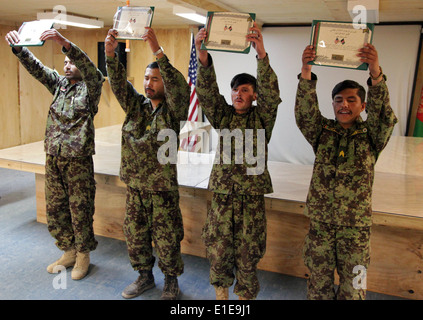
152	196
69	145
339	199
235	230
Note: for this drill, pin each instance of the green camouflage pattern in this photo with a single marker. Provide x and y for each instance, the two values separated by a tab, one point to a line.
340	191
70	121
140	167
154	216
70	192
232	176
345	248
235	238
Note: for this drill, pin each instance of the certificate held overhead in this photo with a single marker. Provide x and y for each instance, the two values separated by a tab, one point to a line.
227	31
30	33
337	43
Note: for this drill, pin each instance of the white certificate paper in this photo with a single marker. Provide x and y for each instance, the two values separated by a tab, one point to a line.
227	31
337	43
130	22
31	31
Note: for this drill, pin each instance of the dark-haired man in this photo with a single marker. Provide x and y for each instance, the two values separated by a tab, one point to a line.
235	230
152	196
339	199
69	146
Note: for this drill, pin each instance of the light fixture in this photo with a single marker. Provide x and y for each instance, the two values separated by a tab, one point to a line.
189	14
70	20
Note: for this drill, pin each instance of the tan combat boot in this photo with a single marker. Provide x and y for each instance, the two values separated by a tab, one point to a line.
221	293
67	260
82	264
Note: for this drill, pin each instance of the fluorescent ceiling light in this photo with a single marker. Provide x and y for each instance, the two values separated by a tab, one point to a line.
189	14
193	16
70	20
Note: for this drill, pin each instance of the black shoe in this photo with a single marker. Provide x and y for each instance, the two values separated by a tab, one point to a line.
171	289
144	282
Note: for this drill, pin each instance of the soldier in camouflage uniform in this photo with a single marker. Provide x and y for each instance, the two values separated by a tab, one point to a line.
235	229
152	202
339	199
69	145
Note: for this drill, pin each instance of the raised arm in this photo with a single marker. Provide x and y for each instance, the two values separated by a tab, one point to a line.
123	90
92	77
211	101
307	114
268	97
48	77
177	89
380	116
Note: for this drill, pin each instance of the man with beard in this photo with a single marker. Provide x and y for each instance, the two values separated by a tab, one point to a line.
69	145
152	196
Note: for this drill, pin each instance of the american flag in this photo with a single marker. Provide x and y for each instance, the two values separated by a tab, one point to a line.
188	144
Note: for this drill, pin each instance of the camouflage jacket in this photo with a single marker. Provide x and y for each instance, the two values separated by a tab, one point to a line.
233	170
340	191
140	167
70	120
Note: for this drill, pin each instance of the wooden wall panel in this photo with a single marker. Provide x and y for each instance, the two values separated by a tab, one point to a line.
24	102
9	94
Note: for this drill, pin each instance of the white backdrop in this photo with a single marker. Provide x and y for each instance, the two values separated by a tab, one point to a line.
397	46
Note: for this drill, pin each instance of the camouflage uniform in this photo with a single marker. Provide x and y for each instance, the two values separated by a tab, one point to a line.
235	230
152	206
69	145
339	198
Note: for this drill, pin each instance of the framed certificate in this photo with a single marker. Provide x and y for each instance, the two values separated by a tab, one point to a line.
337	43
227	31
31	31
130	22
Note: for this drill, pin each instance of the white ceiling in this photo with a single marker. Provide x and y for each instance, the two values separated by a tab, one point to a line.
14	12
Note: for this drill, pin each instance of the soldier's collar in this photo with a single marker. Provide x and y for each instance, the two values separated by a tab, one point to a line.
357	128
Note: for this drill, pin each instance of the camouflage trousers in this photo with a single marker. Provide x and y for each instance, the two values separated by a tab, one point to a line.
154	217
346	249
235	239
70	192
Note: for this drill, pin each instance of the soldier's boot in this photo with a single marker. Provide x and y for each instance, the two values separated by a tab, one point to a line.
82	265
171	289
67	260
144	282
242	298
221	293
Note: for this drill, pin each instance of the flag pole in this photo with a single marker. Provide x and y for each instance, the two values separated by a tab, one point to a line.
127	49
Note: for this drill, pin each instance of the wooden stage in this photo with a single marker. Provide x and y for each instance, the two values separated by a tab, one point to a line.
396	266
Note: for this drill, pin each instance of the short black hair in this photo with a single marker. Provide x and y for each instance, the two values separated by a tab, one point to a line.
153	65
350	84
243	78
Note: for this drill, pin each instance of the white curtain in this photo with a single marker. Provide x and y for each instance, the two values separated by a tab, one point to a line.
397	46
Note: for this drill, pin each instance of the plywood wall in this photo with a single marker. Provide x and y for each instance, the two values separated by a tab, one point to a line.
9	95
24	102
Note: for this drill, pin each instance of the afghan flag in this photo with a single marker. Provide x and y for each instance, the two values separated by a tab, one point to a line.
418	127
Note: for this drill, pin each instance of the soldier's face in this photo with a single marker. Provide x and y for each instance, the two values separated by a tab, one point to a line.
71	71
347	106
243	97
153	84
